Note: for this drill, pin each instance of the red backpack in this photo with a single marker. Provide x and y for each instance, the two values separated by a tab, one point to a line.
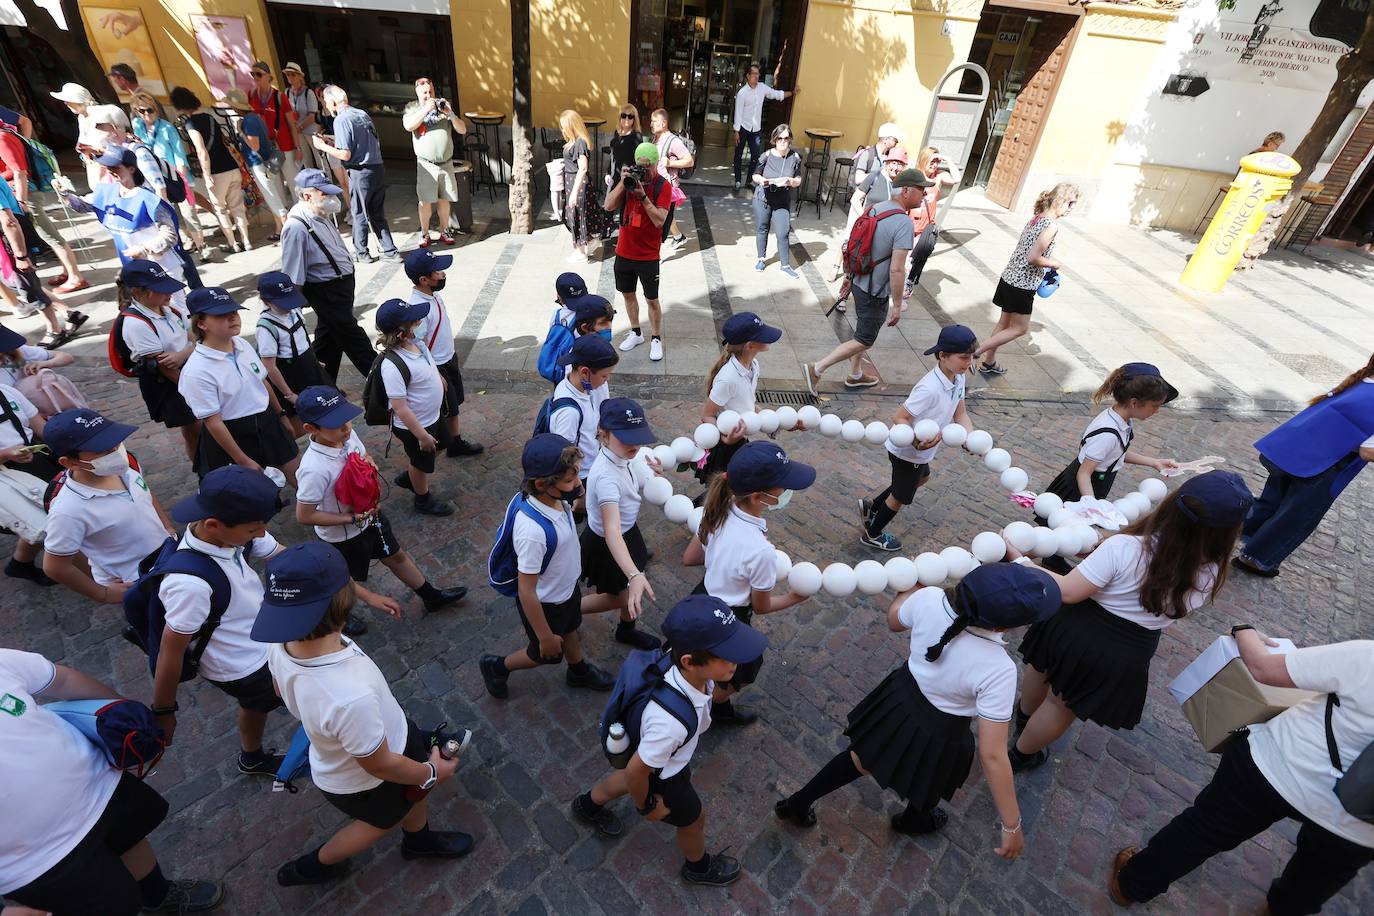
858	248
121	358
358	486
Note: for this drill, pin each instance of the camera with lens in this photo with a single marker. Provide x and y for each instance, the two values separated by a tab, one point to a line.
637	176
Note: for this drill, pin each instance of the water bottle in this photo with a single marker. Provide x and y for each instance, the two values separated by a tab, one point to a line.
617	746
453	746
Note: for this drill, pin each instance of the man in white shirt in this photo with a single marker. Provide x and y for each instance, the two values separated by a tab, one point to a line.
748	123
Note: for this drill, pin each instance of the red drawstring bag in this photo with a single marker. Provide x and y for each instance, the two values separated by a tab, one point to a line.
359	487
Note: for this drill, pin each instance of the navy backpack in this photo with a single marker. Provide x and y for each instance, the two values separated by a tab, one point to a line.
502	573
642	680
145	617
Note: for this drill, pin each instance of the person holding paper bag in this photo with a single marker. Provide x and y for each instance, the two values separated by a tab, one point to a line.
1281	769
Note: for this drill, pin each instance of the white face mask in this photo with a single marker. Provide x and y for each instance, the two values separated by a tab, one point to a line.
116	462
328	205
782	500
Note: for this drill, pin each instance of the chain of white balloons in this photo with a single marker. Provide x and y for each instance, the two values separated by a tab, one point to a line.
1067	534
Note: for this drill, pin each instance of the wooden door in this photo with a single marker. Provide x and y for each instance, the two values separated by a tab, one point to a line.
788	28
1049	52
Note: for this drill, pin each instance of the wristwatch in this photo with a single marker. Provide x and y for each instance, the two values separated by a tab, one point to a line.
433	777
650	803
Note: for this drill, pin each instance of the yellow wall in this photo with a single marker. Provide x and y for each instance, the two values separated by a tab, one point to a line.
581	50
481	48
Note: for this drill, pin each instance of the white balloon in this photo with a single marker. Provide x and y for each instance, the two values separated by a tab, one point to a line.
927	429
931	569
677	508
954	434
698	453
1142	502
768	420
829	425
694	519
1021	535
852	431
682	449
958	560
979	442
1046	543
726	421
667	457
997	460
1127	508
1014	480
876	432
1046	503
787	417
989	547
1061	517
871	576
658	490
901	435
901	574
1089	538
839	580
782	563
1068	539
706	435
804	579
810	415
751	422
640	466
1154	489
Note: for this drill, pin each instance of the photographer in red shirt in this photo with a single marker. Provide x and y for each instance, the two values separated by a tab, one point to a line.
643	198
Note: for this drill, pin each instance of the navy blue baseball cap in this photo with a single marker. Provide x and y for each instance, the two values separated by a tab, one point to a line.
1217	499
954	338
11	340
541	455
142	274
301	581
588	308
591	351
117	155
1138	370
314	178
569	286
325	406
746	327
700	623
396	312
83	430
211	300
625	418
233	494
276	287
1006	595
422	262
762	466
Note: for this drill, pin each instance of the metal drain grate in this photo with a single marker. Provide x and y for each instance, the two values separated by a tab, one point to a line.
1313	365
800	398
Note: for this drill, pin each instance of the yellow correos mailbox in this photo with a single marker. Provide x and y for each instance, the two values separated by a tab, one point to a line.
1263	178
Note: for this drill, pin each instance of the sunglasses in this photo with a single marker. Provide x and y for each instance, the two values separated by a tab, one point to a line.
146	110
257	73
626	117
783	137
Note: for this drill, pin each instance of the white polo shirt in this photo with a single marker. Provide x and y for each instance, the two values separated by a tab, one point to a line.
565	423
425	393
56	784
1290	749
740	559
734	386
169	333
10	374
281	334
974	675
556	583
1117	567
612	480
115	529
316	475
1105	448
662	738
435	329
23	409
231	653
936	398
343	701
232	385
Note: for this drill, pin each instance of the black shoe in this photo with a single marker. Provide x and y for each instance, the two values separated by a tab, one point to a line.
290	874
605	821
428	505
446	597
462	448
354	627
721	871
1245	564
189	895
630	635
1021	762
30	571
402	480
261	764
593	678
496	681
785	811
920	824
75	320
732	716
444	844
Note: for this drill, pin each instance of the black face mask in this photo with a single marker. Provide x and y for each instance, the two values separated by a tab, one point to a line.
435	287
573	495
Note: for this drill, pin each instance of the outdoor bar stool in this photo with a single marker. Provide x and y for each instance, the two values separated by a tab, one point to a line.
840	176
475	148
817	162
487	122
553	148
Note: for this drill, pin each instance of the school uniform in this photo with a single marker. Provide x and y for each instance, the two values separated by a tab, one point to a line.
148	335
424	394
281	335
316	477
1096	653
1105	440
437	333
13	373
582	433
665	748
15	413
557	588
232	661
115	529
739	560
611	481
733	388
233	386
936	398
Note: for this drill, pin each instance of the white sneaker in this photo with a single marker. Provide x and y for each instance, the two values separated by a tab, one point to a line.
577	257
631	341
655	349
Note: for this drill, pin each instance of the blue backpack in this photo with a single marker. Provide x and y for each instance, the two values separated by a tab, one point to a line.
558	342
124	731
145	617
550	406
295	764
641	681
502	572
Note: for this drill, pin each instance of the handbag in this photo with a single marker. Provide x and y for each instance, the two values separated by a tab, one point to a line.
1049	285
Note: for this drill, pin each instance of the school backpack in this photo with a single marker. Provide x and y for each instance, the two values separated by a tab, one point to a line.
358	486
376	403
1355	788
558	341
41	163
176	188
858	248
120	356
295	763
124	731
503	573
144	616
641	680
546	411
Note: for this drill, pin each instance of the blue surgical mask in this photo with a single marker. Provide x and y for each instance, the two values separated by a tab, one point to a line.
604	334
782	501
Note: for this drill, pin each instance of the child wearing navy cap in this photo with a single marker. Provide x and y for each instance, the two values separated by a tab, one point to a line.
566	289
153	330
284	344
225	384
732	382
549	599
911	733
367	758
741	563
1091	660
708	643
426	270
938	396
591	362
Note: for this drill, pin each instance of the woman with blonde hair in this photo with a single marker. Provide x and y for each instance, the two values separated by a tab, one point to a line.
580	205
1029	266
157	132
628	135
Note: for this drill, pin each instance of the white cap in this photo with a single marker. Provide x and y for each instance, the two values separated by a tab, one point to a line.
75	93
890	130
108	114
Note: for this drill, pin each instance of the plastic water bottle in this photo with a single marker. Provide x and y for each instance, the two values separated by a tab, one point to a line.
617	746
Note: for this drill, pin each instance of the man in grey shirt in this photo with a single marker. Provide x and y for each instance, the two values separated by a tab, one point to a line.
314	256
893	237
356	146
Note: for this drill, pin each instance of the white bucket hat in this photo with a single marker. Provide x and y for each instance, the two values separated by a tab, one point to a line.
890	130
74	93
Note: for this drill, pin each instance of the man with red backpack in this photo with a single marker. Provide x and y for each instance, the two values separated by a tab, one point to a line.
875	267
273	106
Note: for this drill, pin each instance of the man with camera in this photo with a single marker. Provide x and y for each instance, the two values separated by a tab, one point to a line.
431	122
644	199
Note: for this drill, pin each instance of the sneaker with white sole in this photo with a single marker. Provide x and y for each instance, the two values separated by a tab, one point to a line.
883	541
759	265
655	349
992	369
631	341
790	271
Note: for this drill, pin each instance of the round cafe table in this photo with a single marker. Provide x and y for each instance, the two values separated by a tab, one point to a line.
489	122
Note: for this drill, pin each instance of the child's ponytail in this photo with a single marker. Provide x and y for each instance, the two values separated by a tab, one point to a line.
124	295
1123	388
1108	385
725	354
954	629
1350	380
715	507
